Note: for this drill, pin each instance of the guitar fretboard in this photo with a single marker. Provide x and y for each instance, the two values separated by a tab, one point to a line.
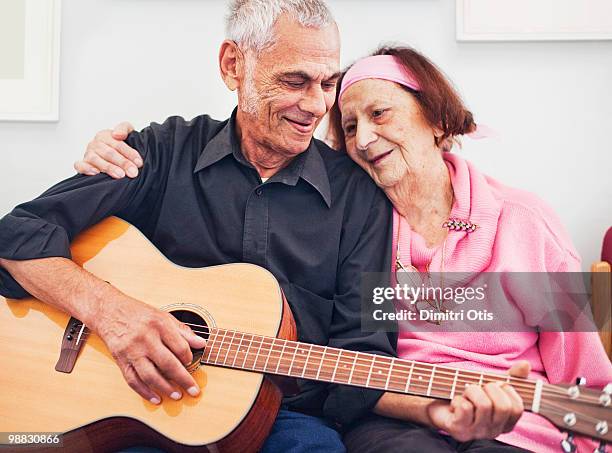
263	354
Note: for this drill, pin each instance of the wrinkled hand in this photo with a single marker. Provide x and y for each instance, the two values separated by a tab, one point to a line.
481	413
108	153
151	347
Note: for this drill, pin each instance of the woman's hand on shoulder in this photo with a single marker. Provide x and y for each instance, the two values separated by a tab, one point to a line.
108	153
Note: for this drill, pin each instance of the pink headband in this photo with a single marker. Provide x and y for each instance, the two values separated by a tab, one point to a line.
388	67
385	67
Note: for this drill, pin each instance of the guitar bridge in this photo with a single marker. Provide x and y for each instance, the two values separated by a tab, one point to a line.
72	343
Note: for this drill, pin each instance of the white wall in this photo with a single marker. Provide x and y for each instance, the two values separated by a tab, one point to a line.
143	60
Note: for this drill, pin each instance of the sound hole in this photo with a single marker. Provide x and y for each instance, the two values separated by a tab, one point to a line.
199	327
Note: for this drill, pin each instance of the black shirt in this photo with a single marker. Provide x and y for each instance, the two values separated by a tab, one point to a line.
316	225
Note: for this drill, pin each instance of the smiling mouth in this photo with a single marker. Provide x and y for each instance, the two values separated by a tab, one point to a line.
304	128
379	158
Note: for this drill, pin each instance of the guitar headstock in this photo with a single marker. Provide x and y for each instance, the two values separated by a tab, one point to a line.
580	410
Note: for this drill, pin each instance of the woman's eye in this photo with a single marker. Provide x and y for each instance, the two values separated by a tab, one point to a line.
349	129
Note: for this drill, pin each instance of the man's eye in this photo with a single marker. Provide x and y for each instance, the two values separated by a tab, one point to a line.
378	113
294	84
349	129
329	86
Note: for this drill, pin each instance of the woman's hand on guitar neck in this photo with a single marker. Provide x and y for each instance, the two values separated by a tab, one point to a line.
150	346
478	413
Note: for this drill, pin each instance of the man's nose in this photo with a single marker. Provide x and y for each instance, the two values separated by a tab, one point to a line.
313	102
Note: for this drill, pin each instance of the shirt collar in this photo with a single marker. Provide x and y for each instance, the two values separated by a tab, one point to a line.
308	165
222	144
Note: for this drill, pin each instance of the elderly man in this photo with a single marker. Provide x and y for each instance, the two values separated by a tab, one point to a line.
254	188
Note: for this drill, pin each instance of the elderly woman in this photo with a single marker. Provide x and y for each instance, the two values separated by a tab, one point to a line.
398	118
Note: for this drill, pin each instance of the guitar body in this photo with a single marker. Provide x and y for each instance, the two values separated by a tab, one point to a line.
92	404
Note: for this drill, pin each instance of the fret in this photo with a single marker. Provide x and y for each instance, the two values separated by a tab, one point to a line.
452	395
316	349
280	357
537	396
297	346
508	379
389	373
220	346
210	346
380	364
336	365
481	379
257	353
409	377
359	376
433	372
306	362
229	348
265	368
321	364
247	353
238	349
370	372
350	379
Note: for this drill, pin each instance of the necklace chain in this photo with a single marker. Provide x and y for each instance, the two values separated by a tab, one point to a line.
399	267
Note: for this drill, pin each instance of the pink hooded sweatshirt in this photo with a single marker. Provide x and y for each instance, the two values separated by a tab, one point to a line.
517	233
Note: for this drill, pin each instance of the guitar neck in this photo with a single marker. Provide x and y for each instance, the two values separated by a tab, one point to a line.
270	355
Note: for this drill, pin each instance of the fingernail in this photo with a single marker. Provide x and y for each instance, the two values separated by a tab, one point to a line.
132	172
155	401
138	161
175	395
92	172
118	173
193	391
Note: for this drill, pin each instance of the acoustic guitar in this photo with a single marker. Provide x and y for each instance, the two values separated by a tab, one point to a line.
57	377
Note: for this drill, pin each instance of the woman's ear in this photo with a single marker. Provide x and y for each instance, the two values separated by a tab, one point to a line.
437	135
231	64
445	144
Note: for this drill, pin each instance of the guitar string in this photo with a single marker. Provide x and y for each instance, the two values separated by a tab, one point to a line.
526	384
440	369
549	390
439	372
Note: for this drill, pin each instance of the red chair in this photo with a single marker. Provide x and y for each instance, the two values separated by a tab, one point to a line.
601	278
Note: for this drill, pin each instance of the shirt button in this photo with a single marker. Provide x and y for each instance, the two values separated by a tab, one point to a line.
259	192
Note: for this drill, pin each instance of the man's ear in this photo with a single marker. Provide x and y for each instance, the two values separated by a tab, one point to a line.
231	64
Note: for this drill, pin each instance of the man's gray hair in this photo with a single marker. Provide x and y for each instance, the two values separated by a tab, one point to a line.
249	22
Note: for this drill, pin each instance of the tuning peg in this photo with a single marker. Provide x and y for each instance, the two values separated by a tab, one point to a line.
580	380
601	448
568	445
605	399
602	428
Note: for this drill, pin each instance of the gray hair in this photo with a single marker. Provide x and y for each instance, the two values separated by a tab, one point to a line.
249	22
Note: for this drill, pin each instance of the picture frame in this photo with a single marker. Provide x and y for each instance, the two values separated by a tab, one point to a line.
533	20
29	70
